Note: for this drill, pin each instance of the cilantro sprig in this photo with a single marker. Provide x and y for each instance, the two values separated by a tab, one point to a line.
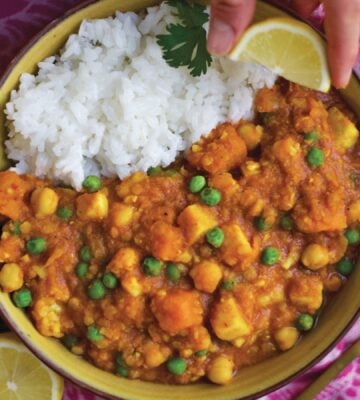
185	43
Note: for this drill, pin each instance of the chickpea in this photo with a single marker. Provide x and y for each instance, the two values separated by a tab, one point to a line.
44	201
286	337
220	370
315	256
11	277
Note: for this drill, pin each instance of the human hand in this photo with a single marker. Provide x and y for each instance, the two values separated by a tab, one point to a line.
229	19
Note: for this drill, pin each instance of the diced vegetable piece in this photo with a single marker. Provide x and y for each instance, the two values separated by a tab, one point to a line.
270	255
167	242
92	206
354	212
235	245
306	293
286	337
220	370
155	354
178	309
218	152
11	277
251	134
227	320
195	221
121	215
36	245
44	202
315	256
206	275
345	131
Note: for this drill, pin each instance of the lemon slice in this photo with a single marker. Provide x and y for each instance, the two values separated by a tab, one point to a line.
289	48
23	376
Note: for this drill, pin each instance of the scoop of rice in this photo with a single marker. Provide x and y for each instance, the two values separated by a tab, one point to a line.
110	105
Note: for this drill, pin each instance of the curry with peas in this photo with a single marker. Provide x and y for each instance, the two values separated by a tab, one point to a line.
218	262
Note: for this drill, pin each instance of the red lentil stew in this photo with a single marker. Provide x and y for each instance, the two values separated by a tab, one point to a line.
197	270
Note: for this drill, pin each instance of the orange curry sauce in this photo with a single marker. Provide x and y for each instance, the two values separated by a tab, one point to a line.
219	308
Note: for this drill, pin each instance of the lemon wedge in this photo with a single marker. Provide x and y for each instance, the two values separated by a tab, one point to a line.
289	48
23	376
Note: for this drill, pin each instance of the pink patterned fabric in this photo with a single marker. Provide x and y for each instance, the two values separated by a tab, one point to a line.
22	19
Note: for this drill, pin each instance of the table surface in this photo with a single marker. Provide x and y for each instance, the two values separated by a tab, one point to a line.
22	19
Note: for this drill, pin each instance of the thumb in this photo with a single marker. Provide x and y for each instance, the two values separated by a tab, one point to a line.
228	20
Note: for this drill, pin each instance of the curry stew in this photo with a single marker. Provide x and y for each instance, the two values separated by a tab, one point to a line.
219	262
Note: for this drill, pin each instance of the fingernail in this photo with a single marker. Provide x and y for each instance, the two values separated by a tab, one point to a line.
221	37
343	81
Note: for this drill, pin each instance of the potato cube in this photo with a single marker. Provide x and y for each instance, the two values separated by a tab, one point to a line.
345	131
235	245
178	309
167	242
227	320
92	206
206	275
195	221
305	292
121	215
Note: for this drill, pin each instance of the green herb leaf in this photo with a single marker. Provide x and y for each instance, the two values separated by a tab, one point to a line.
185	45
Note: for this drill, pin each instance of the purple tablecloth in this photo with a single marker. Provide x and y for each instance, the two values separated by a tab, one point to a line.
19	21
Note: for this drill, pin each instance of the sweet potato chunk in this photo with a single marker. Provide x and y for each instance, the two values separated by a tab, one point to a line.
178	309
221	151
166	241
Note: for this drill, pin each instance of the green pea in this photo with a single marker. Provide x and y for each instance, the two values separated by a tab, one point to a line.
172	272
304	322
81	269
201	353
228	284
91	184
152	266
110	280
286	223
154	171
94	334
260	224
36	245
215	237
210	196
344	266
197	184
96	290
119	359
315	157
311	136
270	255
352	236
16	228
85	254
121	371
22	298
176	365
70	341
64	213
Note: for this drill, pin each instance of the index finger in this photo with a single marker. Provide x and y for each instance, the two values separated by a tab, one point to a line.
342	26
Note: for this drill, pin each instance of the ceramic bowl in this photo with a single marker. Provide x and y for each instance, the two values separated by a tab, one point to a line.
253	381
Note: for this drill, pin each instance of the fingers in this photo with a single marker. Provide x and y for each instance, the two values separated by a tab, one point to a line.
342	26
228	19
305	7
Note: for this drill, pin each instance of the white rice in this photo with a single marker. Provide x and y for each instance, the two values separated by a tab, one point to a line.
110	105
